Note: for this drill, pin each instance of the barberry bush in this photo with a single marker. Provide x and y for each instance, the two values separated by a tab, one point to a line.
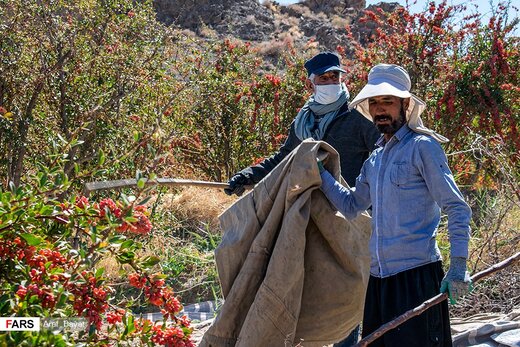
240	113
148	97
50	248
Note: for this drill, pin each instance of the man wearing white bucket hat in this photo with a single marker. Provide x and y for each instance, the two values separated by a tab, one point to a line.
407	182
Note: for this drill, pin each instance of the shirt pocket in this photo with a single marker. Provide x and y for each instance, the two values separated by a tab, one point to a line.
400	173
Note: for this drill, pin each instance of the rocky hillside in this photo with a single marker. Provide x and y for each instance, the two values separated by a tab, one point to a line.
269	23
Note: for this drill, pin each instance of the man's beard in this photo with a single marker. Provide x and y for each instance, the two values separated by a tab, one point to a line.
393	126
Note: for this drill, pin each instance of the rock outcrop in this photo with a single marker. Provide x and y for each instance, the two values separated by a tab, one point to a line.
321	21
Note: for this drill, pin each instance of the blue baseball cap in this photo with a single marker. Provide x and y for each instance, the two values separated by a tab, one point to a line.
323	62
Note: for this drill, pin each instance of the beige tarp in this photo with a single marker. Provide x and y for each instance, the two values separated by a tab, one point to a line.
292	269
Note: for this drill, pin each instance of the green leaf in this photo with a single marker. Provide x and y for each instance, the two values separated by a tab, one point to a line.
125	199
61	139
141	182
46	210
12	187
129	325
101	157
131	219
6	304
31	239
125	257
43	180
116	240
144	201
160	276
150	261
19	213
76	142
127	244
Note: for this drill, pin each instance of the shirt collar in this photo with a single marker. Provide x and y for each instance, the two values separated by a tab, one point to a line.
399	135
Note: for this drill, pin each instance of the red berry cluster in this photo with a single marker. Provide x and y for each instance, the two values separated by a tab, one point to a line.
115	316
170	336
142	226
42	278
136	280
157	294
44	293
90	297
110	207
164	297
16	249
45	256
81	202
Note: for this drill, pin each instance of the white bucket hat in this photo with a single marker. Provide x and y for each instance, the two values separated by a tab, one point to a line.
389	79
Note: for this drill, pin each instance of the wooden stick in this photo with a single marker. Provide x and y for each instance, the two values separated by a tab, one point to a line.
116	184
498	266
431	302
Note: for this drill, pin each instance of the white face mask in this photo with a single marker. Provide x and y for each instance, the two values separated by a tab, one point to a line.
327	93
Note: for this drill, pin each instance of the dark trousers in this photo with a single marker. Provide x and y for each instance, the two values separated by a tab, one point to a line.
389	297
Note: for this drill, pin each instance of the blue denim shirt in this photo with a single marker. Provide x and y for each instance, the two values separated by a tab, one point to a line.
407	181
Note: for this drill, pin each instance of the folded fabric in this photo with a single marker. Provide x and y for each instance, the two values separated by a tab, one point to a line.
292	269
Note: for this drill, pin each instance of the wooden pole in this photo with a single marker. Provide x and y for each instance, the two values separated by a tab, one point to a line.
431	302
124	183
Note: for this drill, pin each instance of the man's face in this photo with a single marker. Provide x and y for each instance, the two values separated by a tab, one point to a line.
330	77
388	112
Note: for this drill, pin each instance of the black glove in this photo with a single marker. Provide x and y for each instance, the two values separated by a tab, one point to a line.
237	183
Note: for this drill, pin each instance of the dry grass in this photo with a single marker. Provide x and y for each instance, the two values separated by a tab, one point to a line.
495	237
285	21
196	206
495	233
274	48
301	11
152	246
270	6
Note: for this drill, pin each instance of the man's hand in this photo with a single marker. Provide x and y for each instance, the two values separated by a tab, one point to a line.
237	183
457	281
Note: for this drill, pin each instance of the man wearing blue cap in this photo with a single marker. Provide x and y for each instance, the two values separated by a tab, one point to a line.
407	182
325	116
